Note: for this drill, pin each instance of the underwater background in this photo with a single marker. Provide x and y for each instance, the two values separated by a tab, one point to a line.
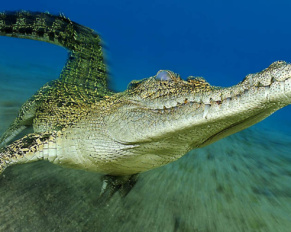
241	183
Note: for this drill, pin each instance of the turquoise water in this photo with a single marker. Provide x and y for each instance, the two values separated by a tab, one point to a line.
241	183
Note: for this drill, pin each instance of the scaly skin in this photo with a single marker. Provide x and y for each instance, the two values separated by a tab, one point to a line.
78	122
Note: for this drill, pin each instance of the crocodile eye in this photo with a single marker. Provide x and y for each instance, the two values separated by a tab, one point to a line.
164	75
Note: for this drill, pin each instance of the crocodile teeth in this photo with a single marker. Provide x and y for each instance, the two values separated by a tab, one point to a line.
237	97
267	91
282	85
206	109
227	101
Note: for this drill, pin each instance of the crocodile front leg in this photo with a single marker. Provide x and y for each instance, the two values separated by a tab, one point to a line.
113	184
32	147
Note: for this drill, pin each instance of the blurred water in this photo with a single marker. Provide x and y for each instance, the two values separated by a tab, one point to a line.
241	183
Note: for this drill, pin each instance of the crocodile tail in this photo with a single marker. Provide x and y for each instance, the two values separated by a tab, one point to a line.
85	66
30	148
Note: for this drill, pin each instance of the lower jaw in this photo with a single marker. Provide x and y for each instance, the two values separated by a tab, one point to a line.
238	126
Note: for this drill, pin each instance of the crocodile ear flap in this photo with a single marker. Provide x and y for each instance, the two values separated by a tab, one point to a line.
166	75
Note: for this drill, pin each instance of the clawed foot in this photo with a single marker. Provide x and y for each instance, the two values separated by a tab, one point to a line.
113	184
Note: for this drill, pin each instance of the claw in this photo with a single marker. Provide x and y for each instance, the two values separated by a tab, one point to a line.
113	184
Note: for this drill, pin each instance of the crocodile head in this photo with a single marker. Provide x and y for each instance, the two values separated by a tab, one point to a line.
164	116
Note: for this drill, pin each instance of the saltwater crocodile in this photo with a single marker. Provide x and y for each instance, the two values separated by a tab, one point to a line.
79	122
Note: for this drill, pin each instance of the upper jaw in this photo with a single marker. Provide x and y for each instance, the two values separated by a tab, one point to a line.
267	85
